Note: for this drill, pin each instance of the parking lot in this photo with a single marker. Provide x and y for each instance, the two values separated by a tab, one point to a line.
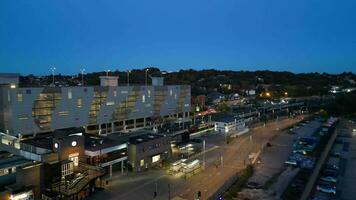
337	178
270	172
347	176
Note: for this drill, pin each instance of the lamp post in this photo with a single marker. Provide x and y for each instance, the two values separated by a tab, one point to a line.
107	72
128	78
204	154
53	69
82	72
146	72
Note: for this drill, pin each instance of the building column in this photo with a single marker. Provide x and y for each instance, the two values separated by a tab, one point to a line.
144	122
110	171
134	123
122	167
124	125
99	130
112	127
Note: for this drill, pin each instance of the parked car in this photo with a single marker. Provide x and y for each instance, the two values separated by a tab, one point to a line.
326	187
253	185
328	179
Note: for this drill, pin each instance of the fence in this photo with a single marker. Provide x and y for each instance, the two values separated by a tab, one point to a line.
224	187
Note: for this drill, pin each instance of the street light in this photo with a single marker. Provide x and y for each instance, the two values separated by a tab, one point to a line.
82	72
107	72
53	69
204	154
128	77
146	71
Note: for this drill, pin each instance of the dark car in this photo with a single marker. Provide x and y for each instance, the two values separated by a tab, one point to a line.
253	185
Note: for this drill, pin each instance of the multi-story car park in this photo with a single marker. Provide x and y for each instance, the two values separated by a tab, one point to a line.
99	109
35	123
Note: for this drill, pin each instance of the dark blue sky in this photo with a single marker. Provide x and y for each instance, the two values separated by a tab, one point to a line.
298	36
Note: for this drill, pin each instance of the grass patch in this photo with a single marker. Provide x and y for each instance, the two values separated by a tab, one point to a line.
240	183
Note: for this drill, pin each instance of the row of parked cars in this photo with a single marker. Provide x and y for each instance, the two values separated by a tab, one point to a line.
328	177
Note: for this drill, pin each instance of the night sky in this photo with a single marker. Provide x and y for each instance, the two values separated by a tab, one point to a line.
297	36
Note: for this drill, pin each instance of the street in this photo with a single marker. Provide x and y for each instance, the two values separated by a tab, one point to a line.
222	161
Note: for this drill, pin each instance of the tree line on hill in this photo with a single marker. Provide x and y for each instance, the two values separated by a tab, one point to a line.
211	80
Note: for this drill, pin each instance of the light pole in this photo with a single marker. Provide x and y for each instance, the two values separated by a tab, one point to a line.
203	154
107	72
82	72
53	69
146	72
128	78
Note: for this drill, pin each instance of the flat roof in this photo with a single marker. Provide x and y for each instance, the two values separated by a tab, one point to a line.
13	160
95	142
144	138
43	141
223	118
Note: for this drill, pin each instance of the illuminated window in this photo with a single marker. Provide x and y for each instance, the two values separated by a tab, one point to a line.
175	96
22	117
142	163
19	97
110	103
74	157
143	98
4	172
171	92
67	168
79	102
115	93
156	158
149	93
69	94
63	113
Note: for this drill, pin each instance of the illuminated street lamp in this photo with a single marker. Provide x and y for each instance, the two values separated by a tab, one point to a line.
52	69
146	72
268	94
82	72
128	77
285	93
107	72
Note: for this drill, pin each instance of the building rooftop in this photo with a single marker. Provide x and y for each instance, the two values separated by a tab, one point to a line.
42	141
95	143
12	160
226	118
45	141
144	138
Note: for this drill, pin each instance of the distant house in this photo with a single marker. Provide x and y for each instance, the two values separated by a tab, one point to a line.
229	125
215	97
198	101
250	92
234	96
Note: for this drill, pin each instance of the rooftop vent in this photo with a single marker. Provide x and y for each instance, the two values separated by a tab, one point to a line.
109	81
